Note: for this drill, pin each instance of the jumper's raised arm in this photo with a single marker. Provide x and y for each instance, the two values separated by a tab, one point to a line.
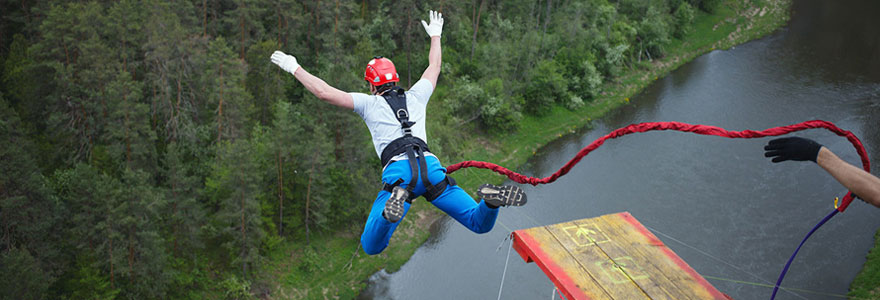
434	55
315	85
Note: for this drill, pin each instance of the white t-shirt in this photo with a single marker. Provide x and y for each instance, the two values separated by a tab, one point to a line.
381	121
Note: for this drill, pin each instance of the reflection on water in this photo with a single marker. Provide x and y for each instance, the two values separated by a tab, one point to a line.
718	203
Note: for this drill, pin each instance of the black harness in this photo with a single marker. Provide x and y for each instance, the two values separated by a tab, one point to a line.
412	146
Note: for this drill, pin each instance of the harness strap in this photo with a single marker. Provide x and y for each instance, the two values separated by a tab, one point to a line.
439	188
432	191
413	168
389	187
399	146
423	168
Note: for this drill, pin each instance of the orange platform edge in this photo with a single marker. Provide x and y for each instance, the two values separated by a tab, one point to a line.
610	257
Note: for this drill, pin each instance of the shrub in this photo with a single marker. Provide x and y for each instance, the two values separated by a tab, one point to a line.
684	17
546	86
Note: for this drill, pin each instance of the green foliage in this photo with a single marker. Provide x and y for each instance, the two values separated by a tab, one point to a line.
466	100
546	86
235	288
653	32
709	6
309	262
21	276
234	185
500	112
684	17
88	282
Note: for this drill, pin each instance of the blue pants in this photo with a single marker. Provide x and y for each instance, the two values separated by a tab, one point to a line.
454	201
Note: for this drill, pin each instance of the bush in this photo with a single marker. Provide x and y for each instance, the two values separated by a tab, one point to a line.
654	33
684	17
466	99
709	6
501	114
586	84
235	288
574	102
546	86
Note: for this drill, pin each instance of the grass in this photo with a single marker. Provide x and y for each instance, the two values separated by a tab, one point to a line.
334	267
866	285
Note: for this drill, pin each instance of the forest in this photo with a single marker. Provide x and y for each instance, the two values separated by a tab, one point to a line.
151	150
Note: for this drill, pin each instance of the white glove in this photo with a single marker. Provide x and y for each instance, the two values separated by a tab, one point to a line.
286	62
436	26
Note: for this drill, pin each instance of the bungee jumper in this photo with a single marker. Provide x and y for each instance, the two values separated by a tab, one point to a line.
396	120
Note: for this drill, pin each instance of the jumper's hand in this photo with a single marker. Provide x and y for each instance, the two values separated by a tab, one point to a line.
792	148
286	62
436	26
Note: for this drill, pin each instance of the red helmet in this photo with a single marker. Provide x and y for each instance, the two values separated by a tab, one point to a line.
380	71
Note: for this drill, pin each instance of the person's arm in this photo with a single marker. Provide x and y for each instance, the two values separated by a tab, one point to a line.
865	185
434	55
315	85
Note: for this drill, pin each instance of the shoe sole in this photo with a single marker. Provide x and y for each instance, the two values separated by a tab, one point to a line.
506	195
393	211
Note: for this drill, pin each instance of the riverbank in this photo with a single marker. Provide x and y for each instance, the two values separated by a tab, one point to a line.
334	267
866	285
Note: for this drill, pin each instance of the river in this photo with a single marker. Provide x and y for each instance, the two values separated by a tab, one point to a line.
718	203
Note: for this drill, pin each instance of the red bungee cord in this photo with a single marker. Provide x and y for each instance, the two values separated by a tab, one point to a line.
678	126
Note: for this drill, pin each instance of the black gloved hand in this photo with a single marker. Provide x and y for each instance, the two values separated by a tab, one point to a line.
792	148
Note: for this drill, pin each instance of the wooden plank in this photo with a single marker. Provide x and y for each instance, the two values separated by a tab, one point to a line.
611	257
639	257
620	273
589	256
675	269
561	268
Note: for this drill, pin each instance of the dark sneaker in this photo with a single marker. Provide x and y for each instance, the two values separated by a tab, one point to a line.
394	206
505	195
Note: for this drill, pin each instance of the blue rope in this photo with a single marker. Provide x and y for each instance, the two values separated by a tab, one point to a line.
788	264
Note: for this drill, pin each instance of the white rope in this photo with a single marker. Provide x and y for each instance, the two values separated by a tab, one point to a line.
720	260
506	260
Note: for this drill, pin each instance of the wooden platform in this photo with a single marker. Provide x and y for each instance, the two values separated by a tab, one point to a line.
610	257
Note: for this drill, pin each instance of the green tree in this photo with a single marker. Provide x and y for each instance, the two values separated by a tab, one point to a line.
71	47
684	17
130	139
234	184
546	86
286	134
21	275
184	215
28	216
135	205
226	92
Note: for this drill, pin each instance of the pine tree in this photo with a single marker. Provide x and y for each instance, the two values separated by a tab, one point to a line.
91	226
72	48
130	139
28	215
135	214
234	184
225	91
286	134
185	216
